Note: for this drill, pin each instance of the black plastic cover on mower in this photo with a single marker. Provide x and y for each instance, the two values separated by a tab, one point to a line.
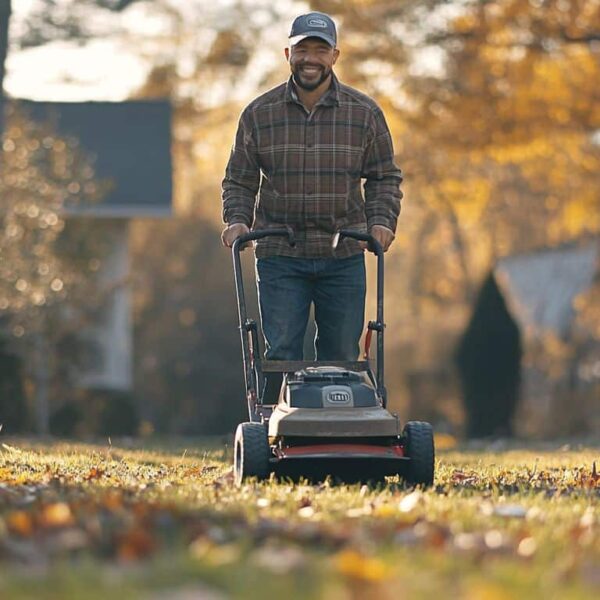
327	387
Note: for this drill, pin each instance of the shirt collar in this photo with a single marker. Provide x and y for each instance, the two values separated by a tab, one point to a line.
330	98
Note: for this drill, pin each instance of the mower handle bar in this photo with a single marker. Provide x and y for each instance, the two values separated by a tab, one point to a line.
263	233
245	324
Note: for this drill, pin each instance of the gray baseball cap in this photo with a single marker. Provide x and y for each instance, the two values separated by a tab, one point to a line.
313	24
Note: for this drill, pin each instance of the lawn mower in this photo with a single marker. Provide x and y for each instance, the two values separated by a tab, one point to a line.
331	417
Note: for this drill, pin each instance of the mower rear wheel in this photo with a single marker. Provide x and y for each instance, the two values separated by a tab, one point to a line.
252	452
418	438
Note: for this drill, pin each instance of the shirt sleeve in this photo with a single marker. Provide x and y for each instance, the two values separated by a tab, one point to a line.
382	177
242	175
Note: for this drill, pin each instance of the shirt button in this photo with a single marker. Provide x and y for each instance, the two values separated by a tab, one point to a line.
308	192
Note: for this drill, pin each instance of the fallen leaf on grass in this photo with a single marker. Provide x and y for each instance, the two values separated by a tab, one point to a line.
527	547
12	448
199	471
304	502
94	473
135	544
56	515
433	535
410	502
591	480
463	477
20	522
469	542
498	541
355	565
306	512
383	511
113	500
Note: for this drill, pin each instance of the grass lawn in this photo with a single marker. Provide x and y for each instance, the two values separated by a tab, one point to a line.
163	520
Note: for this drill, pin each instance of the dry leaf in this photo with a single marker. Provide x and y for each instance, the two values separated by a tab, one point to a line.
94	473
56	515
527	547
410	502
135	544
306	512
354	565
20	522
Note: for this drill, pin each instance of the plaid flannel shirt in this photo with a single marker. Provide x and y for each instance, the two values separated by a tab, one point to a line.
289	167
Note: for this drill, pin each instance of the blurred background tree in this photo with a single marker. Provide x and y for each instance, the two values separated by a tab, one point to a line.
47	288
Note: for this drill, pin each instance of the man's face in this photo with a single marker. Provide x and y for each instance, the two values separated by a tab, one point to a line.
311	61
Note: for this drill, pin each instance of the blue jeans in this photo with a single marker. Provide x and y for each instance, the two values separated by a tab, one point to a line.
287	287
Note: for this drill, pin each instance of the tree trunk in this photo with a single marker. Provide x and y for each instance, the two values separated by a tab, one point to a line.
41	380
5	10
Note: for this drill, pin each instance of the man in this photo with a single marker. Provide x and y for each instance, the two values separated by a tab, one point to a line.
299	155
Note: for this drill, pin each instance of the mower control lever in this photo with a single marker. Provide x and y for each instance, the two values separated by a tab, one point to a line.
374	245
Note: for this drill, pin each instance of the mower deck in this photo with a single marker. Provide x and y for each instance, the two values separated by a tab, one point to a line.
321	451
347	462
332	422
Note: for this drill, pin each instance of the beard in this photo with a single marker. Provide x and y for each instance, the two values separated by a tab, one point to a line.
310	85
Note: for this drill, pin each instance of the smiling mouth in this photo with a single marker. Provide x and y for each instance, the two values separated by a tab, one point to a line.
310	70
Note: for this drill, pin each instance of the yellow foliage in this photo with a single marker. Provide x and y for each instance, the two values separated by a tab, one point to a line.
579	216
464	23
469	197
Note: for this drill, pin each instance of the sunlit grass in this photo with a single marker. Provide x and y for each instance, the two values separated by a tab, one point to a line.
83	520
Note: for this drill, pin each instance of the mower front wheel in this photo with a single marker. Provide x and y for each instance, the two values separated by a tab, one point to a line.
418	439
252	452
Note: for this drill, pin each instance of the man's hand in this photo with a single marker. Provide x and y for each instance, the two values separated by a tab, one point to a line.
232	233
383	235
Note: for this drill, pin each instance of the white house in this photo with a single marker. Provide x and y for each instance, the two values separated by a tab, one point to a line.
131	145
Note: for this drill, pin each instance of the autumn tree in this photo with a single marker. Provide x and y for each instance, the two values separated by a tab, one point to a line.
47	262
496	138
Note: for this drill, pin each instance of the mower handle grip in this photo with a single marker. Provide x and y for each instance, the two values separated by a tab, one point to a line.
373	244
258	234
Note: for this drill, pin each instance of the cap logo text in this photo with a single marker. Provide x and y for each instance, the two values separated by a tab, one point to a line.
317	23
